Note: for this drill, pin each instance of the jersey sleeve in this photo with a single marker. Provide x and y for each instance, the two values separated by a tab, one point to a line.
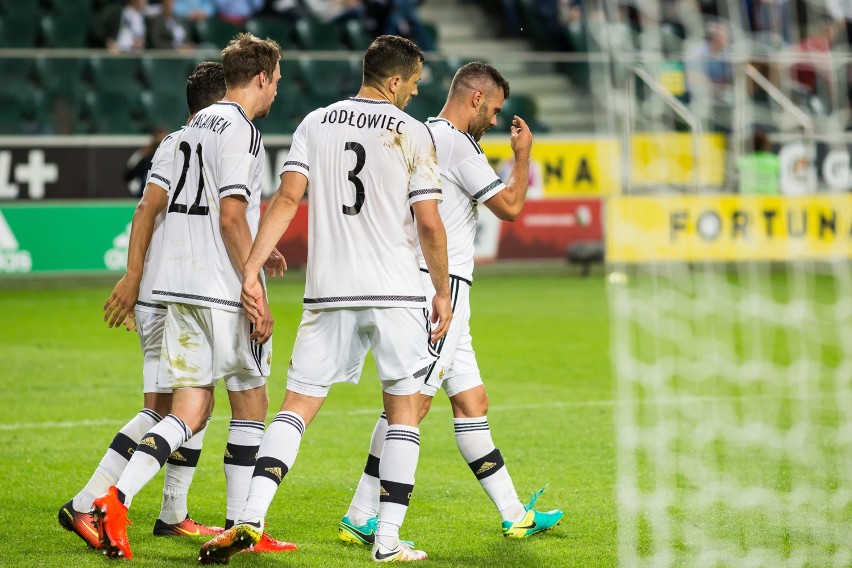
425	181
237	162
297	158
162	164
477	179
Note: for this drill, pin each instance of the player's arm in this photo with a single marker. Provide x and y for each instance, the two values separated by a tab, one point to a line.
433	243
280	212
276	264
508	204
121	302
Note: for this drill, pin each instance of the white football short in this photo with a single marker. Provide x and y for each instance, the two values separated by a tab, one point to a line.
149	327
331	345
202	346
456	369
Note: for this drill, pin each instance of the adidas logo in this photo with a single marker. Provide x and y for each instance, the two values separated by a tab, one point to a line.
276	471
228	454
176	455
150	442
485	467
383	492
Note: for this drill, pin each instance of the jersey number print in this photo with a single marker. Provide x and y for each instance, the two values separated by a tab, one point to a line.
360	158
196	208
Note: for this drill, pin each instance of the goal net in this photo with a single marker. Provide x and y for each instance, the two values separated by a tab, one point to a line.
731	305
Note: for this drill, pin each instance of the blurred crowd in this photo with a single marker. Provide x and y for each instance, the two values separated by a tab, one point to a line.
135	25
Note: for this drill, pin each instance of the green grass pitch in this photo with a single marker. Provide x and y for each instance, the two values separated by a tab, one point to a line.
69	383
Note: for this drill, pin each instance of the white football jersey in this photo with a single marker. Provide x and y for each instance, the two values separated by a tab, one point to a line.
467	180
159	175
218	154
366	162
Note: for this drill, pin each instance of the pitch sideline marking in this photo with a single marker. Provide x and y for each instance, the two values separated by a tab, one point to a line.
377	410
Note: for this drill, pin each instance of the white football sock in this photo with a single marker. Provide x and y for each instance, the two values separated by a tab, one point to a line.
277	455
115	459
365	502
244	438
180	467
396	471
473	437
151	454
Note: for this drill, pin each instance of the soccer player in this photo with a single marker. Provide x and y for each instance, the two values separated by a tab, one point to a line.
476	96
132	295
367	166
211	218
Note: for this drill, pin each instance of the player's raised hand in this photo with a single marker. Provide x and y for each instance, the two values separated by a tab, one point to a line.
521	137
442	315
275	265
121	302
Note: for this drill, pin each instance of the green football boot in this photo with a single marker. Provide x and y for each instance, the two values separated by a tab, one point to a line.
533	521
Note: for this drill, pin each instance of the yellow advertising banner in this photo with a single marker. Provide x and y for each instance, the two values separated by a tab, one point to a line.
583	167
667	158
562	168
728	228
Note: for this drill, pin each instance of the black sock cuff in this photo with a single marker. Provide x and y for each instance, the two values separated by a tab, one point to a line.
151	414
123	445
185	457
393	492
487	465
156	446
236	454
121	496
270	468
372	467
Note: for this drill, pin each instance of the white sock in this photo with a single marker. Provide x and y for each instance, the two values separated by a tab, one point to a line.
473	437
277	454
180	467
152	452
396	471
365	502
244	438
115	459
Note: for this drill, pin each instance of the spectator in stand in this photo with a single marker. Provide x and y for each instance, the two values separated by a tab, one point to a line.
814	74
166	30
841	12
772	19
195	10
403	20
760	170
336	11
131	29
290	10
238	12
709	77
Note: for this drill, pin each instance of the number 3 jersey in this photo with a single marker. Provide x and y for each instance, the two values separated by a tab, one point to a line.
218	154
366	162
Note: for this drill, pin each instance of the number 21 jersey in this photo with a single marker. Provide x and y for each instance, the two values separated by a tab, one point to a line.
219	154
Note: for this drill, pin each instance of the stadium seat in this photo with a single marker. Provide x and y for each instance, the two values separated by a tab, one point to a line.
355	37
19	26
166	109
533	27
115	113
423	106
167	75
313	35
21	111
116	74
215	32
274	28
523	106
327	80
65	30
16	72
287	110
